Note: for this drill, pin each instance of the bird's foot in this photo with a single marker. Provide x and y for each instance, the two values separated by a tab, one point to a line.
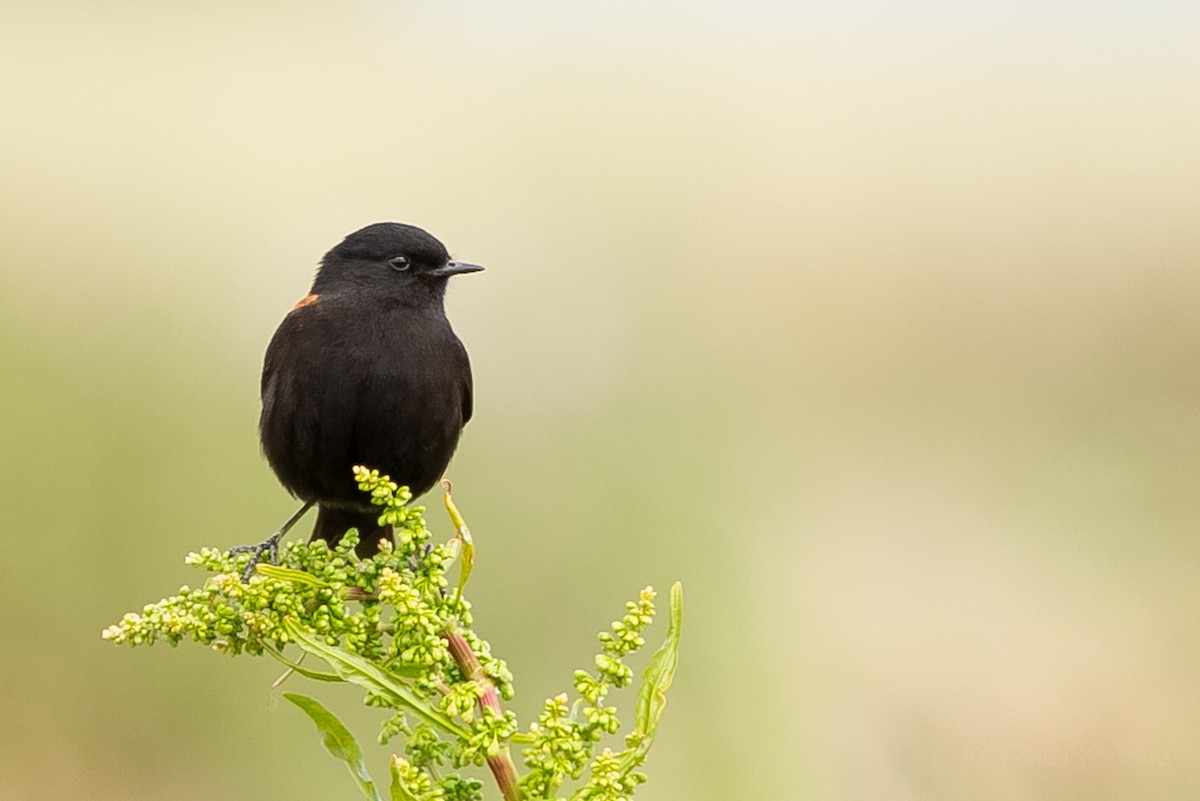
270	546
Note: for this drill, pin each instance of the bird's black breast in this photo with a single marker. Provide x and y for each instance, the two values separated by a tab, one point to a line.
351	380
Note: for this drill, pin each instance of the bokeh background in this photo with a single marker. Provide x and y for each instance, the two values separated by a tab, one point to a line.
874	323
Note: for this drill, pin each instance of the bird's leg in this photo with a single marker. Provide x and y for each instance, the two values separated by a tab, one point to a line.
270	544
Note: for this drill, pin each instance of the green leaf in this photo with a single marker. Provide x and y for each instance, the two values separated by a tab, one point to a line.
288	574
357	670
652	695
338	741
463	536
298	668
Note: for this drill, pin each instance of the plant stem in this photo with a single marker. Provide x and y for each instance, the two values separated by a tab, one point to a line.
501	765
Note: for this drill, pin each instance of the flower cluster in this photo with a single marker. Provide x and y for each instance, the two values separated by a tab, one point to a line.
565	736
411	782
391	610
393	625
236	617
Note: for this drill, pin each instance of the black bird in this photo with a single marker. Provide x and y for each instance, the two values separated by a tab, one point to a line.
365	369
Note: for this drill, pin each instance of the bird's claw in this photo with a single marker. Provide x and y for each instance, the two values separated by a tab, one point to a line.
270	545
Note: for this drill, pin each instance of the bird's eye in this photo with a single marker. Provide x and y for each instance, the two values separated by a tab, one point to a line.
399	264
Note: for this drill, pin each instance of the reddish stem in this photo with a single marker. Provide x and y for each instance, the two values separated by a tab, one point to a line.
501	765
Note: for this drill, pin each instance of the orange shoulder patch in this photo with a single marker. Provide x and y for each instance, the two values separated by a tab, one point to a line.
307	300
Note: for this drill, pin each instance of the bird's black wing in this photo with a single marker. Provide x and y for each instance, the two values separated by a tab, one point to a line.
309	393
467	387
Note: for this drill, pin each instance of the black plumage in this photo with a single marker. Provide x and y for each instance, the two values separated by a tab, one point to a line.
366	370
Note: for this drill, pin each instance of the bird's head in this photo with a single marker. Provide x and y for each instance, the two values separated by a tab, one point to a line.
390	260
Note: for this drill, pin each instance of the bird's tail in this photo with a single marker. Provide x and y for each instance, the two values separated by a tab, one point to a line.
332	525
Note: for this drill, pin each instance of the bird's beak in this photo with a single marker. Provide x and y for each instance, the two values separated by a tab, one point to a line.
454	268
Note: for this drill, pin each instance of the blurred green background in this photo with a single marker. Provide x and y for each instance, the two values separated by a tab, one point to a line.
875	324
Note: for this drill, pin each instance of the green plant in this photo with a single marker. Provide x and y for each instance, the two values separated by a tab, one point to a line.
394	626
